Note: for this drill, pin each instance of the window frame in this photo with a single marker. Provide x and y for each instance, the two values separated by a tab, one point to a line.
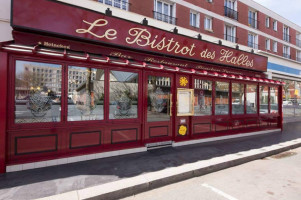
275	25
206	20
267	22
232	31
113	4
267	44
275	46
197	19
255	38
212	94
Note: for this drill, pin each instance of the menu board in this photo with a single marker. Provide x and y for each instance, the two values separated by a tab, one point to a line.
185	102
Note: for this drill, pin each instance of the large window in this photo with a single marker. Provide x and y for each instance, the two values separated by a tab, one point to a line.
85	93
286	51
221	98
252	18
231	9
264	99
208	23
238	98
286	34
164	12
194	19
158	98
37	92
123	4
202	97
274	99
251	94
230	33
123	95
253	40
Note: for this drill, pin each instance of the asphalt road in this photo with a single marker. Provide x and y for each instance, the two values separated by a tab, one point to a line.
275	177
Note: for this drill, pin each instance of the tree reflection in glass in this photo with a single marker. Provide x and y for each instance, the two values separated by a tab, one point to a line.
37	92
85	93
158	98
203	97
238	101
264	99
251	99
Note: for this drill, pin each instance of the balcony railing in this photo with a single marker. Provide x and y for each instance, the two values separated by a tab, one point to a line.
253	45
298	43
286	55
298	59
253	22
286	37
122	4
165	18
230	38
229	12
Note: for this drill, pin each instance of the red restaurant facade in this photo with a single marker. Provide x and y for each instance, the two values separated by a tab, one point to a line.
81	83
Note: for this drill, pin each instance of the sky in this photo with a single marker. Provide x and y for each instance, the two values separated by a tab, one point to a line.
289	9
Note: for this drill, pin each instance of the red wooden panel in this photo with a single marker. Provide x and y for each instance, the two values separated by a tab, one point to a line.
221	126
158	131
35	144
124	135
201	128
85	139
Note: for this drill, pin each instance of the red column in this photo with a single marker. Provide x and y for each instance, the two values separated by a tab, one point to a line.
3	106
280	101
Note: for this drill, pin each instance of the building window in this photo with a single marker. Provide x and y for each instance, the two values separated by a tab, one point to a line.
275	46
253	19
238	98
230	33
36	100
194	19
231	9
298	39
251	91
123	95
164	12
286	52
210	1
203	97
275	25
253	40
298	55
221	98
264	99
122	4
267	22
267	44
85	98
286	34
208	23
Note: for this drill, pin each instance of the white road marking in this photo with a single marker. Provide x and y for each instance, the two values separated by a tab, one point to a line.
227	196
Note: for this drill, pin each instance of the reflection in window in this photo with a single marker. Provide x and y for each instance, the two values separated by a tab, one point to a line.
85	93
221	98
251	99
238	95
274	99
202	97
158	98
37	98
264	99
123	95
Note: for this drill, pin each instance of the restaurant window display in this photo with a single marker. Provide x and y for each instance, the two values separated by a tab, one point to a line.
202	97
221	98
251	94
264	99
37	92
238	98
274	99
85	93
123	95
158	98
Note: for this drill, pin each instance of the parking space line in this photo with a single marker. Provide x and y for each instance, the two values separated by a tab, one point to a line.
227	196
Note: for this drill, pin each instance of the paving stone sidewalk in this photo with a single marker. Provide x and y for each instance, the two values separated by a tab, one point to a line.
43	182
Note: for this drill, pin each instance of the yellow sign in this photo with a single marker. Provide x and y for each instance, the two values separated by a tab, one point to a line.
183	81
296	92
182	130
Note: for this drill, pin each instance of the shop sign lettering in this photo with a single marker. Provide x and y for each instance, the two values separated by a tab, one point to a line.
144	38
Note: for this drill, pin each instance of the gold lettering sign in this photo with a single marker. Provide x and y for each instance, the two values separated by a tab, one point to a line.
144	38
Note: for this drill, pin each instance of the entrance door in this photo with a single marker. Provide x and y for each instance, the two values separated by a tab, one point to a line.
158	108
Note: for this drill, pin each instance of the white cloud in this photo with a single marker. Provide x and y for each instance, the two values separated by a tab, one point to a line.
289	9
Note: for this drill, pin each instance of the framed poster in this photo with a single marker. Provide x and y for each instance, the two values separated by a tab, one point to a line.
185	100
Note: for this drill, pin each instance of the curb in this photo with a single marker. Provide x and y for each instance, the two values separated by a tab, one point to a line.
130	186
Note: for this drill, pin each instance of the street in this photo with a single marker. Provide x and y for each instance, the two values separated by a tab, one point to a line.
275	177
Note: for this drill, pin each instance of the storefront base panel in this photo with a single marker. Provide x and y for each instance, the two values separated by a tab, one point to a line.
46	159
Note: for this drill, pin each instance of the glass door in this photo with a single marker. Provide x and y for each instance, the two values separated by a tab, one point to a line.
158	107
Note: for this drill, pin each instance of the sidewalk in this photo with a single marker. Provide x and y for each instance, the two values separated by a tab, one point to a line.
124	175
